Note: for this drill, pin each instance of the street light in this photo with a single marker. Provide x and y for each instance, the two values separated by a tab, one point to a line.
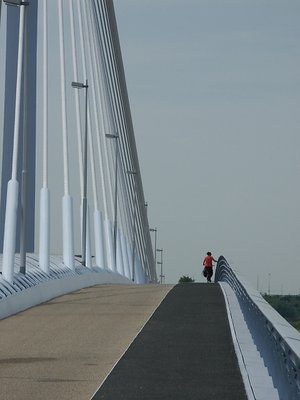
15	3
79	85
134	226
161	264
155	242
116	137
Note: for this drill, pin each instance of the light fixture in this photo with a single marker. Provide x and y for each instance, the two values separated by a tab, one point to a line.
16	3
79	85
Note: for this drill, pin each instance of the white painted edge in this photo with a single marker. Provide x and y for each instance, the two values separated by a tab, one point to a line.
238	352
258	384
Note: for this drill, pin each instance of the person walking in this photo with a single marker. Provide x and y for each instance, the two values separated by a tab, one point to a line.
208	266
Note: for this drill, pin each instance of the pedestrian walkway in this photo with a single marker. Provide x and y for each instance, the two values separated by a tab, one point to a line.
64	349
184	352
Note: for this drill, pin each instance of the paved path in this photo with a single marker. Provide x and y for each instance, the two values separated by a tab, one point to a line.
184	352
63	349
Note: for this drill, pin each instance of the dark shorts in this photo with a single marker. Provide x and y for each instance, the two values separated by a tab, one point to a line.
208	272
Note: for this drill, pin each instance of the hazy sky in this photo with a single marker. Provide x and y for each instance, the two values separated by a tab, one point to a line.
214	88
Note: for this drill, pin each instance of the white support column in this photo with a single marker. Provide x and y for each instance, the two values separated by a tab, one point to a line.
137	269
109	241
10	226
142	272
10	230
129	253
44	258
119	258
124	256
99	240
68	232
88	240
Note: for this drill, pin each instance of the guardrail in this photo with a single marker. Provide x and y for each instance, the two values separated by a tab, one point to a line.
36	286
276	340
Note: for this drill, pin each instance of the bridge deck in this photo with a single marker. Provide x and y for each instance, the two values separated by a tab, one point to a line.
185	351
63	349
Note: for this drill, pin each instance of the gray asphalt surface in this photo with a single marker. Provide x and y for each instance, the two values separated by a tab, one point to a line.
64	349
185	352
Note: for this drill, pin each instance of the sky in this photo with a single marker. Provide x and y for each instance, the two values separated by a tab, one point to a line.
214	89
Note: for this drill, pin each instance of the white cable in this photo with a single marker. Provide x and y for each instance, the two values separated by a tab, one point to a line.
18	94
119	93
88	59
45	96
106	55
83	55
78	119
97	66
63	98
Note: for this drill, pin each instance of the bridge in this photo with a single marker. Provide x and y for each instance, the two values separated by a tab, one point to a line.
73	223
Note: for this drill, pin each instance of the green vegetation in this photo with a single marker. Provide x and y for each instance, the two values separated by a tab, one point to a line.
287	306
186	279
296	324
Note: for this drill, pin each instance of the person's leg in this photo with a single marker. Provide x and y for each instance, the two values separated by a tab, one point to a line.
209	274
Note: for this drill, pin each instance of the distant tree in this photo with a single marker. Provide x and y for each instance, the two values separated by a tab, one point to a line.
288	306
287	310
186	279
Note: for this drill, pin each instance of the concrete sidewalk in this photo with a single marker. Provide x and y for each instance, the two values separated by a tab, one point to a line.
64	349
184	352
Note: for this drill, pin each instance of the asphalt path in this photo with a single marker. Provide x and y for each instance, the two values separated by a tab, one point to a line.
65	348
184	352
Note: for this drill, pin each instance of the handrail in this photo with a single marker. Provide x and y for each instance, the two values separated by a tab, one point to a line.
37	286
276	340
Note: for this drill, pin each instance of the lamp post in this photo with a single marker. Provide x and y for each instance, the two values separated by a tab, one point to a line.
155	242
79	85
134	226
161	264
116	137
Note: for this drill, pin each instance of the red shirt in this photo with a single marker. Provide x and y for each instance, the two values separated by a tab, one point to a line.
208	261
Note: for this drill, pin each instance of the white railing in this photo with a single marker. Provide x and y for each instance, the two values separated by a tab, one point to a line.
276	340
37	286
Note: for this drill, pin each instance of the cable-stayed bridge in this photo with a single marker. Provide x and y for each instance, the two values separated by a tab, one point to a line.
73	212
70	161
